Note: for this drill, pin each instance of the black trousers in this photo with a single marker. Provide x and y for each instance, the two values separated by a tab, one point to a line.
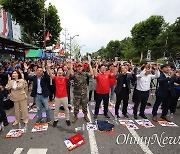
123	95
2	112
105	98
165	100
52	92
141	97
90	95
69	92
174	101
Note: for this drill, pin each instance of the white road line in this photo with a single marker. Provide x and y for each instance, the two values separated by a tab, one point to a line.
92	138
37	151
141	144
18	151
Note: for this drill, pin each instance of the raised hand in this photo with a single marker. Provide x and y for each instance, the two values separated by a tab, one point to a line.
156	67
9	77
48	63
26	66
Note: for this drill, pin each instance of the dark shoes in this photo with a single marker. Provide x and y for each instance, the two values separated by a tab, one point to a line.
5	123
148	104
155	118
86	118
75	118
48	120
135	117
107	116
55	123
68	122
165	118
143	116
39	121
126	116
95	117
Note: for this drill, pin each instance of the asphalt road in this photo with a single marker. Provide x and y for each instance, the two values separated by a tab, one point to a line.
51	141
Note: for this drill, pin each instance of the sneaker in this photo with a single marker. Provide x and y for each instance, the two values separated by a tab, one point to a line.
171	115
95	117
68	122
126	116
55	123
107	116
39	121
143	116
5	123
117	117
75	118
48	120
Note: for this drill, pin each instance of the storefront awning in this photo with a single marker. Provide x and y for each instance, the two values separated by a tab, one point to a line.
15	44
34	53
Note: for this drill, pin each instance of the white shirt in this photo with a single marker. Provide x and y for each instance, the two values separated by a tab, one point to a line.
14	85
39	88
144	81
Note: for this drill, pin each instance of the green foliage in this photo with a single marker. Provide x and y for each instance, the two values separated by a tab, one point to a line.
29	14
145	33
53	24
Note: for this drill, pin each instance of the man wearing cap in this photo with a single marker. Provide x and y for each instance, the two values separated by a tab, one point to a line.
165	92
80	90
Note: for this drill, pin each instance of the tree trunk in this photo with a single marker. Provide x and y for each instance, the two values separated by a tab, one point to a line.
141	56
29	36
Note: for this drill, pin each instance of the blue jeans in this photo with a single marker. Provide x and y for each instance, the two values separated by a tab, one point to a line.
39	100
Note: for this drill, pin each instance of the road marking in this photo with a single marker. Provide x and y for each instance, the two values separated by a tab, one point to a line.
92	138
141	144
18	151
37	151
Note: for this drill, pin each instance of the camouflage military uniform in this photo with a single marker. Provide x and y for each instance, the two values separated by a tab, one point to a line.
80	92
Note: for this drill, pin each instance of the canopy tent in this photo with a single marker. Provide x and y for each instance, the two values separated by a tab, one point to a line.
34	53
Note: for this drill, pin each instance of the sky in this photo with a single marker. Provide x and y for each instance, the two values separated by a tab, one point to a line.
99	21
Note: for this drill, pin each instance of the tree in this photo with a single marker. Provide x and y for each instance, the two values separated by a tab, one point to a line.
145	33
29	14
128	50
53	24
113	49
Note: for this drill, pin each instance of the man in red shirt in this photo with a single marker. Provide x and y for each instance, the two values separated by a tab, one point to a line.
61	96
102	89
112	81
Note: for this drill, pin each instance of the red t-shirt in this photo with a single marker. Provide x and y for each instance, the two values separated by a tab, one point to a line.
112	80
103	84
60	83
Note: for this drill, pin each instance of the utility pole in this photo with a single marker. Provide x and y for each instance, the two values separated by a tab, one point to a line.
44	25
65	35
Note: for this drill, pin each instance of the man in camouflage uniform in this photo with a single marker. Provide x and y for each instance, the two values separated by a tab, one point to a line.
80	90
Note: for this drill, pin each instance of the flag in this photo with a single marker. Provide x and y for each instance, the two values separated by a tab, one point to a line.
57	46
47	36
61	52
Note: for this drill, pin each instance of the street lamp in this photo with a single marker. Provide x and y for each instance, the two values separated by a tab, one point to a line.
71	38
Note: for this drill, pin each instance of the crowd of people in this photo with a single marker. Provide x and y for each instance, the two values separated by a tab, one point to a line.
52	81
